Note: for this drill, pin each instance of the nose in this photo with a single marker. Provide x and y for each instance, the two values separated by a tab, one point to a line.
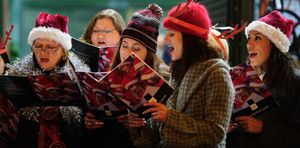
100	35
127	52
166	39
249	44
43	52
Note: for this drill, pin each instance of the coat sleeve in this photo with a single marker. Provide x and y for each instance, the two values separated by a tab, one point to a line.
210	130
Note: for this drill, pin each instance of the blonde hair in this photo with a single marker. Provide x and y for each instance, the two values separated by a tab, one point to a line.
218	43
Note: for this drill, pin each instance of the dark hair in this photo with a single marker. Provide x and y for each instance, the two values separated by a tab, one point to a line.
116	18
5	58
280	70
194	50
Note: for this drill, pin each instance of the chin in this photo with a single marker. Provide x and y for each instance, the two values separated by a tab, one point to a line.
46	68
175	59
253	63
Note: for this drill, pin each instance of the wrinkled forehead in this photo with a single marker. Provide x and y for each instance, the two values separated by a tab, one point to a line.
45	41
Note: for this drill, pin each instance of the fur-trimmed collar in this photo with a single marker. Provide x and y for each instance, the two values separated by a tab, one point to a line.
25	66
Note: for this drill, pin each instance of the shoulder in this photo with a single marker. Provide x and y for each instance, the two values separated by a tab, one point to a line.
77	62
161	68
164	71
214	71
209	66
296	80
22	66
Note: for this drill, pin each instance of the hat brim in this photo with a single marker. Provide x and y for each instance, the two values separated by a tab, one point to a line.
54	34
185	27
141	37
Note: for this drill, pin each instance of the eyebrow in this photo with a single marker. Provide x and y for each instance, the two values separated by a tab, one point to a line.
46	44
137	44
37	43
258	33
104	28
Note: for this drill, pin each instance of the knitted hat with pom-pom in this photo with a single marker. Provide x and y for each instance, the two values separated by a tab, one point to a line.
144	26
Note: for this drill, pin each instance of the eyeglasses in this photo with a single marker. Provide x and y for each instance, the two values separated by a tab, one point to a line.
104	31
49	50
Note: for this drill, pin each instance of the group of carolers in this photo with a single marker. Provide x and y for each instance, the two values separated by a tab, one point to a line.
199	110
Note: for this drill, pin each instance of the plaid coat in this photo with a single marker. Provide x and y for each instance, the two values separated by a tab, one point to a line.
199	109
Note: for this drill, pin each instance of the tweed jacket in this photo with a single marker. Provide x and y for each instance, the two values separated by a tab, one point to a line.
199	109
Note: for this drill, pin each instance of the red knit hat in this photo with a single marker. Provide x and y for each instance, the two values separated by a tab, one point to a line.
193	19
275	27
53	27
144	26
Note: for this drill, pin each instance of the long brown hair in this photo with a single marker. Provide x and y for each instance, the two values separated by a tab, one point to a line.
194	50
280	70
116	18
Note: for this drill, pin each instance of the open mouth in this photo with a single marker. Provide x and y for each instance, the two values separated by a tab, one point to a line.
171	48
252	55
100	43
44	60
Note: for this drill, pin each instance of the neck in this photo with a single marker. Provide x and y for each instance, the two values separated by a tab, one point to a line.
260	70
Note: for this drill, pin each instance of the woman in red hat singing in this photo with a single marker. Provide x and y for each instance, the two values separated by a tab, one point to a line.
198	112
268	46
48	126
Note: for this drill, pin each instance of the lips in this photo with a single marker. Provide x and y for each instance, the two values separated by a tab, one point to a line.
44	60
252	55
171	48
100	43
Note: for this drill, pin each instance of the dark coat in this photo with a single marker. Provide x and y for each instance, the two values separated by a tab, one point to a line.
281	125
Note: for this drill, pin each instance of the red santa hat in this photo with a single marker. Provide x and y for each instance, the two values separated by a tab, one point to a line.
275	27
53	27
